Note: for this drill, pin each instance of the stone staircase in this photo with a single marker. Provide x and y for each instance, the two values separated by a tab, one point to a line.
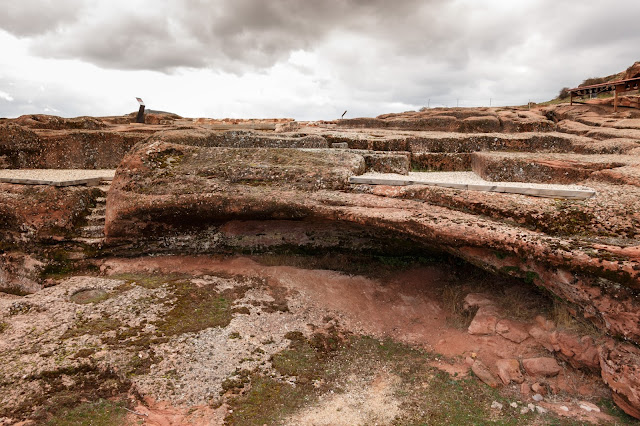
91	235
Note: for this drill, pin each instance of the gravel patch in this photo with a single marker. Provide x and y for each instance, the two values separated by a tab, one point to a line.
57	177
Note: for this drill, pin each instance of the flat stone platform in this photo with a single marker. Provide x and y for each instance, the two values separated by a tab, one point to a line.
56	177
472	182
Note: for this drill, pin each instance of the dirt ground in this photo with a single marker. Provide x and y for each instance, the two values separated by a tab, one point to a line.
202	340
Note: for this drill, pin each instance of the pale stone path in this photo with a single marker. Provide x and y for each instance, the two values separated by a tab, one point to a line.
56	177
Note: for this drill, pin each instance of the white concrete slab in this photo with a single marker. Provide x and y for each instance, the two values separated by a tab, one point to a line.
469	181
56	177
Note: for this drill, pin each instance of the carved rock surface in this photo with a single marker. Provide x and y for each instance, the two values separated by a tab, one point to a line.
190	197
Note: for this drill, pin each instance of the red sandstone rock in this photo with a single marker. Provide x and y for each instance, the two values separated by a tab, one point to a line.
32	212
559	265
52	122
473	120
579	352
512	330
632	72
541	367
291	126
19	273
18	146
484	322
149	195
485	124
546	324
543	168
509	371
539	388
483	373
620	364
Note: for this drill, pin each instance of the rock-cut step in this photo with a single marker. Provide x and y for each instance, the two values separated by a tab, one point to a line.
96	218
92	231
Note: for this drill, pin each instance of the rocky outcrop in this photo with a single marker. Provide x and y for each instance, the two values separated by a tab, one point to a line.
158	183
84	149
36	225
31	213
632	72
21	147
18	146
190	197
213	186
466	120
240	139
52	122
620	365
547	168
20	273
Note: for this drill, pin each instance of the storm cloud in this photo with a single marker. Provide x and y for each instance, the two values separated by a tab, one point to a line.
373	54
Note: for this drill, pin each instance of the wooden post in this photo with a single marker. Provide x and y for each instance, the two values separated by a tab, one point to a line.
615	100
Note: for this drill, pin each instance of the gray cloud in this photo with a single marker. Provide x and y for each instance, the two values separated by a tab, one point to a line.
248	35
32	17
231	35
370	53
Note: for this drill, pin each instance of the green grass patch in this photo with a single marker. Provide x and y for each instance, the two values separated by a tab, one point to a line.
94	327
98	413
196	308
612	409
426	395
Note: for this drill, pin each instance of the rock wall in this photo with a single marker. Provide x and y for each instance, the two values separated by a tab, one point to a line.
183	199
465	120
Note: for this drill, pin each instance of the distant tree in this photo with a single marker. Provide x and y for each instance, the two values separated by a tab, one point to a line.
593	80
564	93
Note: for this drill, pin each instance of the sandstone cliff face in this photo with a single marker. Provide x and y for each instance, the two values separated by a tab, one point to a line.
207	200
162	186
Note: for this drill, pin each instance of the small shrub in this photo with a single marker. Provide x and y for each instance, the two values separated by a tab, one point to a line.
564	93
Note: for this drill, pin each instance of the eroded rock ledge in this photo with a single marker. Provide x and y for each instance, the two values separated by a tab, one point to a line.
213	198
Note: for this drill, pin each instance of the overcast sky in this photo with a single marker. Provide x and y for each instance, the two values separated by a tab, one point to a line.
305	59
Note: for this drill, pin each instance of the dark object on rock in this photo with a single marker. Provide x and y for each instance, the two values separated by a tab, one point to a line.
140	117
